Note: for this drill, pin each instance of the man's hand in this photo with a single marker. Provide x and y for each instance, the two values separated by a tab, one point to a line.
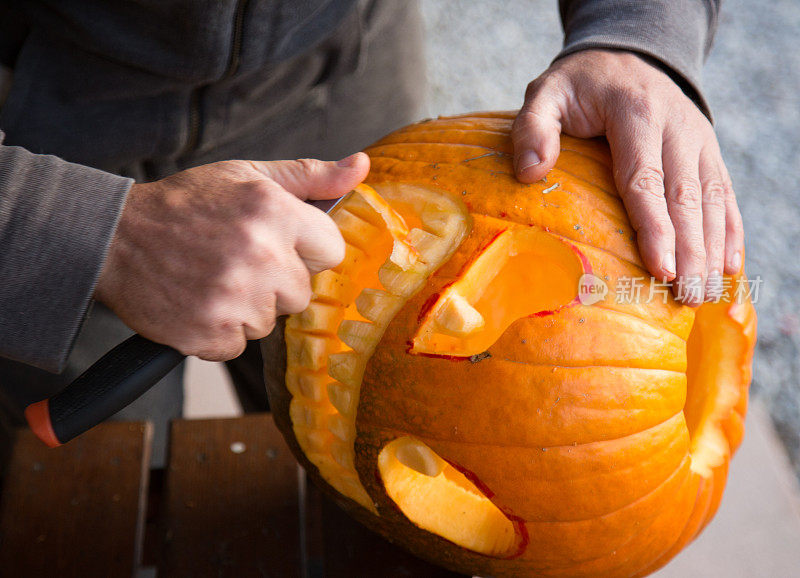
208	257
667	163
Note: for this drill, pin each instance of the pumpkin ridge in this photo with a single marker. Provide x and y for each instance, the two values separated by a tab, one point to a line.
378	150
682	466
568	143
609	571
587	365
428	438
601	305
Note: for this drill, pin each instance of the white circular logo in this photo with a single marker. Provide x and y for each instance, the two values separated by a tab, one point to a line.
591	289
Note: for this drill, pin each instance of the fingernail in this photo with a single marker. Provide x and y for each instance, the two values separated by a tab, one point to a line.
527	160
668	263
736	262
713	285
347	161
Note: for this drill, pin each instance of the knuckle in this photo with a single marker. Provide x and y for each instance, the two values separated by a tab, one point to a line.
714	194
255	197
298	295
686	195
694	256
647	182
269	324
307	167
534	86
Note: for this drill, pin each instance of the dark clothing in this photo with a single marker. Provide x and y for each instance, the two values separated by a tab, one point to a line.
676	34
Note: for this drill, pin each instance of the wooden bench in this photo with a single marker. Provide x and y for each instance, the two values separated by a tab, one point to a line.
232	501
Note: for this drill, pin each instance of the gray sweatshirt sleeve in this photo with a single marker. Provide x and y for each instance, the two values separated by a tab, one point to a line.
56	222
674	34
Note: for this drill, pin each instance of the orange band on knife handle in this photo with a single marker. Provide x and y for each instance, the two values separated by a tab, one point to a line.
38	416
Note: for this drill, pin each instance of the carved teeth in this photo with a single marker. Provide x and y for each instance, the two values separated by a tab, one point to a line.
354	229
358	205
439	221
346	367
361	336
394	221
352	257
343	454
317	317
330	286
403	255
313	440
312	386
400	282
377	305
431	248
343	398
311	416
457	317
342	427
309	351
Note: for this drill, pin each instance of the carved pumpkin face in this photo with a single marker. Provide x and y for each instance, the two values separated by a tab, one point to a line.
450	386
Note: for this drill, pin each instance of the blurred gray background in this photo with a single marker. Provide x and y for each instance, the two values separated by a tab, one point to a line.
481	55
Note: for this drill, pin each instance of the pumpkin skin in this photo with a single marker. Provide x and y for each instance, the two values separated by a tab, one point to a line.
591	439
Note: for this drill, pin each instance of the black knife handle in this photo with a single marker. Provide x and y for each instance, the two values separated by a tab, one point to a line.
113	382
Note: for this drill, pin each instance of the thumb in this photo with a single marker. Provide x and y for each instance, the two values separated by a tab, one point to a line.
535	133
314	179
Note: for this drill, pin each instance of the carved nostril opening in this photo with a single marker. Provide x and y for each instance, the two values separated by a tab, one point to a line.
438	498
419	458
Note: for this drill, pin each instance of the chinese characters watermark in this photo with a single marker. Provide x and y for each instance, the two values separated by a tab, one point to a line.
636	290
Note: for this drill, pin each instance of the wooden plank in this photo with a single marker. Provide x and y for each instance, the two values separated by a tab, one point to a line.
76	510
351	550
231	503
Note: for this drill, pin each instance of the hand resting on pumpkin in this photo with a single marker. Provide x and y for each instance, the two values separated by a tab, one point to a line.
206	258
667	163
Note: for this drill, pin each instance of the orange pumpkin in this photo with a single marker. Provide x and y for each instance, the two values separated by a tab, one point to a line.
452	387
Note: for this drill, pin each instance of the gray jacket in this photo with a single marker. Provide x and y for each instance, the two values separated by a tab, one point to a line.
97	91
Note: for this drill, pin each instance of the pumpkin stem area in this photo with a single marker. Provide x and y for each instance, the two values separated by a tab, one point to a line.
716	360
438	498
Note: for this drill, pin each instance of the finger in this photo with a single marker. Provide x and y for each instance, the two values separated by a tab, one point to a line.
318	241
262	321
685	205
314	179
294	289
536	131
227	345
635	143
714	218
734	231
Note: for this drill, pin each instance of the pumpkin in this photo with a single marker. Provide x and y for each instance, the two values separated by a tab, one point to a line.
453	389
